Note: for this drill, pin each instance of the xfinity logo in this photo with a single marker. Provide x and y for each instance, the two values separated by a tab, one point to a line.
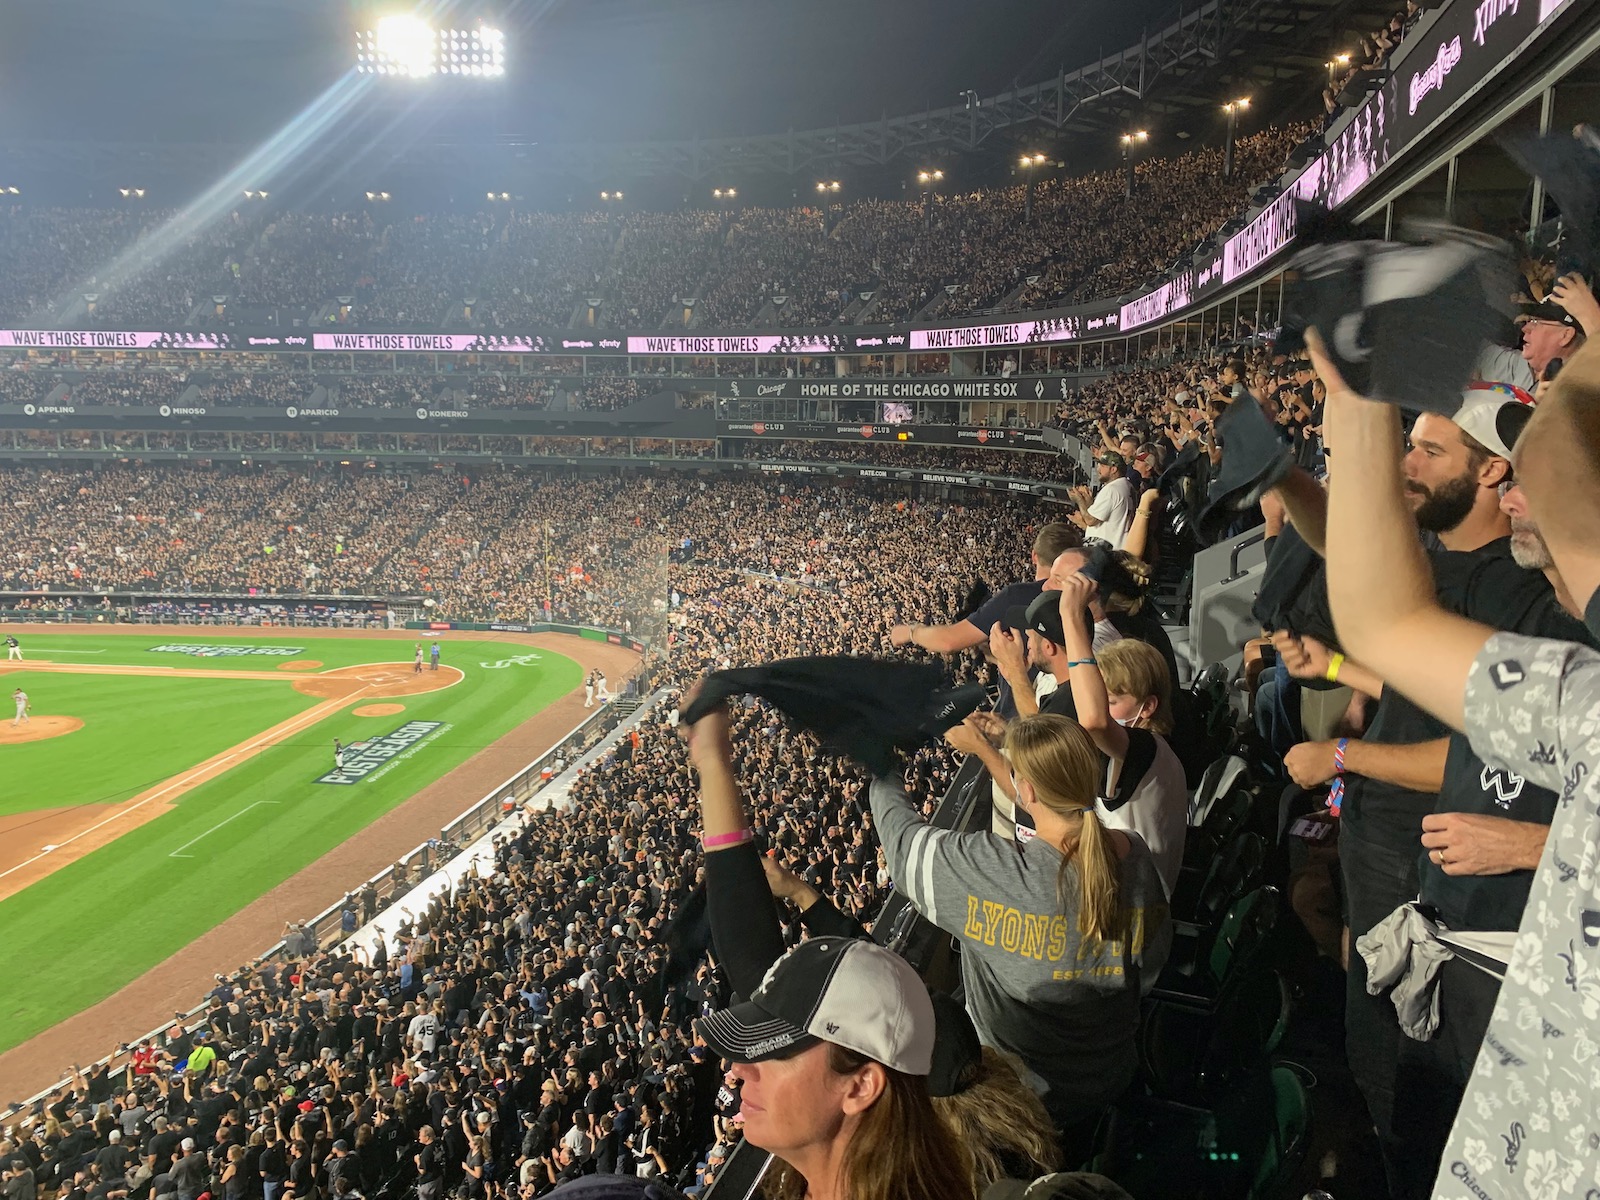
1487	13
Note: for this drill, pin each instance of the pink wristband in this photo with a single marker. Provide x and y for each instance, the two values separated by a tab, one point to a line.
718	840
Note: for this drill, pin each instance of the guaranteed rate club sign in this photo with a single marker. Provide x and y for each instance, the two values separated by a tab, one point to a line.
375	756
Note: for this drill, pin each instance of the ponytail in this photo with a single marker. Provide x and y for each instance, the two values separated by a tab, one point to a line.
1057	757
1099	905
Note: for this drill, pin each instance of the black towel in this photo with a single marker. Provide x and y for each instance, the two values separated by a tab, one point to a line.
863	707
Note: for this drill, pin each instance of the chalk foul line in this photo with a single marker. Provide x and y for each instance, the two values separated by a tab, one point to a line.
179	852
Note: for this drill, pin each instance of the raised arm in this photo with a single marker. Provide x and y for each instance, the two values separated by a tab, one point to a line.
744	923
1138	539
1010	654
1307	506
1088	685
940	639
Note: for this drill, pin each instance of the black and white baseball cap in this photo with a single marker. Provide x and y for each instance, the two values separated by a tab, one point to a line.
1494	414
1043	616
848	991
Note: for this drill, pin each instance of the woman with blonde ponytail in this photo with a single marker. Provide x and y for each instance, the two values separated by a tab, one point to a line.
1060	934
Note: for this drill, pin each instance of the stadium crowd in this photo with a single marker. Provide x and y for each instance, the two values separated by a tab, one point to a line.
531	1027
557	1018
535	1026
1078	236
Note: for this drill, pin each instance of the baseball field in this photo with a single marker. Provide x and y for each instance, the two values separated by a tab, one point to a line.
162	783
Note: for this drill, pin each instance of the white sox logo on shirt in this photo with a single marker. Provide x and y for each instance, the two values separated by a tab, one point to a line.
1507	674
1505	785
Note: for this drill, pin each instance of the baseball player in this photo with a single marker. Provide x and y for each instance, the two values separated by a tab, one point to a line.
588	691
601	689
21	697
13	651
416	668
433	657
338	755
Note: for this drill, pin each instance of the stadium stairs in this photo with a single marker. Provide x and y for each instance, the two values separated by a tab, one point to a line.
937	303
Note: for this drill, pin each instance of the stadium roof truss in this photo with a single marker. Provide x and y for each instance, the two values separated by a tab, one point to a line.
1179	69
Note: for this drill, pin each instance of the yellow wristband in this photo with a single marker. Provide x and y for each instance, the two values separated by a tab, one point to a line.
1334	663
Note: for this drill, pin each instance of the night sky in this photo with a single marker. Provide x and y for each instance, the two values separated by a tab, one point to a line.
235	70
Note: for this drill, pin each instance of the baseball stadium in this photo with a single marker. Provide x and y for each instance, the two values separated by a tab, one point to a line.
167	766
701	599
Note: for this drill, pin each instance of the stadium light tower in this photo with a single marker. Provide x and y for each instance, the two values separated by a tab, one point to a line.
930	180
1029	164
409	47
1233	108
1129	141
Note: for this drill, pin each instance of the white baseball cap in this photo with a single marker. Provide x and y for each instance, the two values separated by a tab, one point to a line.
848	991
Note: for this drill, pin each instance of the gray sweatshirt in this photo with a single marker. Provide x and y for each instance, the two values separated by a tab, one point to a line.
1067	1006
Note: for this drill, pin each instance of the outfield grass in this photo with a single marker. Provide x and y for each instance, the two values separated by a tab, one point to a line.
87	929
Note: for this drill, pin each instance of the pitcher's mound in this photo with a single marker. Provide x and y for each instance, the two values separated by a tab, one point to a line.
379	710
38	729
300	664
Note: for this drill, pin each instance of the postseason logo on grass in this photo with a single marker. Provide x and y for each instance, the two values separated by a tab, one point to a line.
228	651
371	758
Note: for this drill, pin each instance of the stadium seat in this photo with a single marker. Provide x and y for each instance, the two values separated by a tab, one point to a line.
1190	1057
1248	1147
1231	955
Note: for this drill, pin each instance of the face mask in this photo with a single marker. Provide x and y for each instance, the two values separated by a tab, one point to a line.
1591	615
1126	722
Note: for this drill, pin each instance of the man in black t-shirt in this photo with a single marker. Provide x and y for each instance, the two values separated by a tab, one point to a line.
1391	775
430	1176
